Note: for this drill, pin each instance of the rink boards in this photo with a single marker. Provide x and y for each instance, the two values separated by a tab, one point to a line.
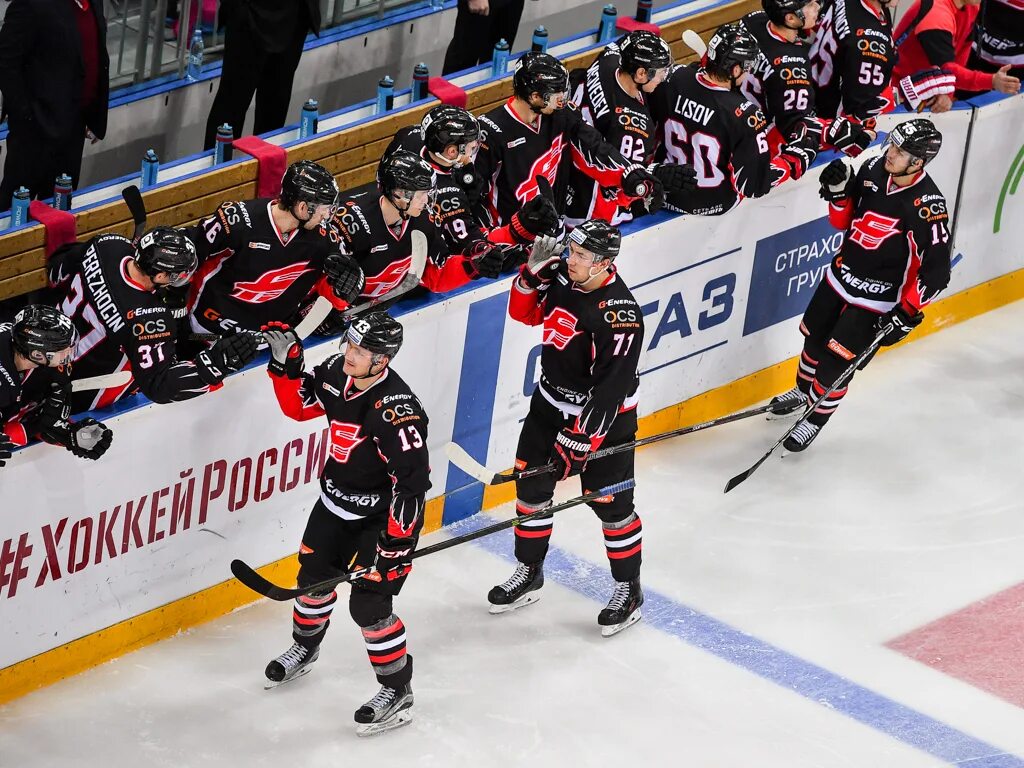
97	559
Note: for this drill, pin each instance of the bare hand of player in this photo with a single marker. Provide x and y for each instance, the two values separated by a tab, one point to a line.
1005	83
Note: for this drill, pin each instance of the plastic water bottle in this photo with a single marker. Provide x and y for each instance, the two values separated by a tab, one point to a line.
420	76
643	10
19	207
62	193
499	62
606	33
310	118
437	4
150	166
195	57
385	94
540	40
223	149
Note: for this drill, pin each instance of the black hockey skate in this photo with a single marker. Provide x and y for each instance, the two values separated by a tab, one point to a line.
520	589
787	403
293	663
390	708
623	610
802	437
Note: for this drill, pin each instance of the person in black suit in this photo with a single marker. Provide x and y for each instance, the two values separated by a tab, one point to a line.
479	25
54	75
262	45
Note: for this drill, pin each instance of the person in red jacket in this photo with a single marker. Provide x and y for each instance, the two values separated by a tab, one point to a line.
938	34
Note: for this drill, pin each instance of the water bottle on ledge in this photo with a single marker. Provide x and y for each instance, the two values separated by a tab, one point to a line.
195	57
19	207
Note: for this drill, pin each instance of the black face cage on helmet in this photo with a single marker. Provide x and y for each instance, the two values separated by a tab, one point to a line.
599	237
40	328
445	126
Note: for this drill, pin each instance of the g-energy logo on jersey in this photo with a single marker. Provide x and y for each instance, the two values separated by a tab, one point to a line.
627	316
344	439
931	207
546	165
560	328
872	229
270	285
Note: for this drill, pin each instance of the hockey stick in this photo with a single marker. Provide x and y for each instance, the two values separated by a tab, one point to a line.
734	481
461	459
107	381
695	43
137	207
322	307
257	583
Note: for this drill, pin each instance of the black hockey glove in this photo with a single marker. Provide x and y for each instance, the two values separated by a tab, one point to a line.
638	182
6	444
485	259
836	182
175	299
847	136
807	133
471	182
285	350
227	355
345	276
393	559
902	323
572	449
676	179
798	158
335	324
921	89
537	217
55	412
540	269
86	439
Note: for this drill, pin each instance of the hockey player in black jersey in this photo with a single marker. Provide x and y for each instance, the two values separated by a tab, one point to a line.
261	259
703	118
612	95
108	288
529	135
370	509
893	261
448	139
35	386
587	397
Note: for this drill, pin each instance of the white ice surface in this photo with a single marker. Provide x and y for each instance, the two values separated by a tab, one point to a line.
906	508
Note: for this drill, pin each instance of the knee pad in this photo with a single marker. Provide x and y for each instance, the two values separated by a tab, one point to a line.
313	571
367	607
618	510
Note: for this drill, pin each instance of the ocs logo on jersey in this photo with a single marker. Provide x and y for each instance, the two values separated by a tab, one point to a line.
872	229
270	285
560	328
344	439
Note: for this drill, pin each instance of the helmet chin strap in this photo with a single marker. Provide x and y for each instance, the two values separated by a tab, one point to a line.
906	169
402	212
370	373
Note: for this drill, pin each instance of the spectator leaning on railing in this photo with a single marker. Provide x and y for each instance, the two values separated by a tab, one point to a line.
54	72
938	33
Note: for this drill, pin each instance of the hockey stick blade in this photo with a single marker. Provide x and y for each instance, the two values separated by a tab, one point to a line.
458	456
248	576
137	207
694	42
107	381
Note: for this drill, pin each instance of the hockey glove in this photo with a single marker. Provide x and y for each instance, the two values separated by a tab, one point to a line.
540	269
807	133
6	444
675	179
901	322
847	136
638	182
285	350
537	217
175	299
921	89
836	180
86	439
55	412
798	159
227	355
335	324
471	183
393	559
345	276
572	449
486	259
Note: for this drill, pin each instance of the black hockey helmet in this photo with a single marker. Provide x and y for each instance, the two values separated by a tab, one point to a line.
40	328
731	44
644	50
539	73
918	137
776	10
446	125
310	183
377	332
599	237
166	249
406	171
